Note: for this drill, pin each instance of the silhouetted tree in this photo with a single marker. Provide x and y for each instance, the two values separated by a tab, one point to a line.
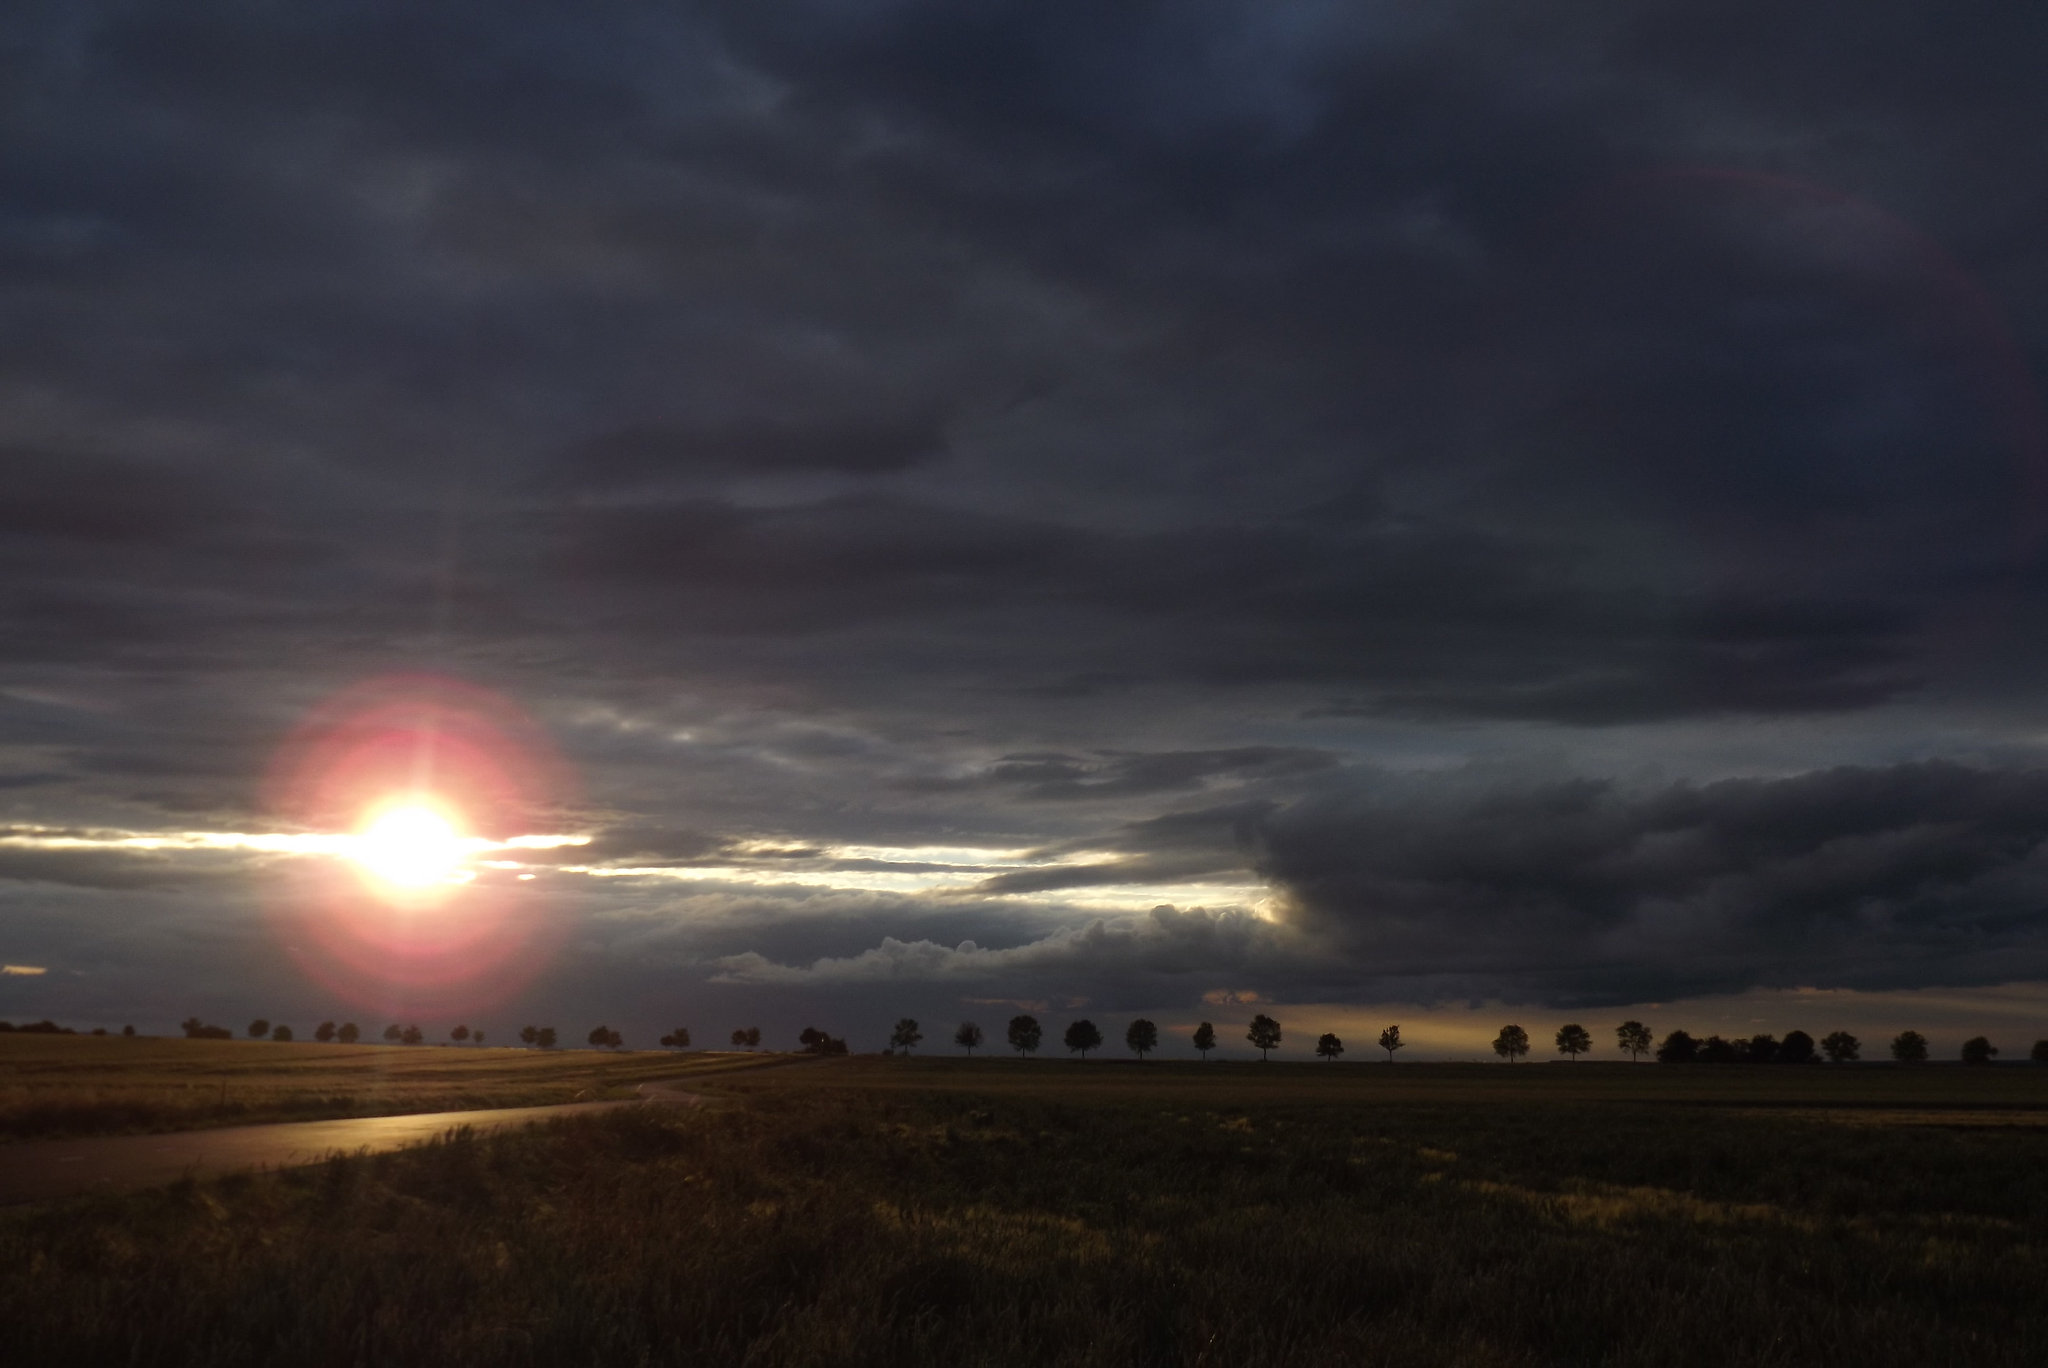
1082	1036
1573	1040
1024	1035
1634	1038
394	1032
1264	1034
1678	1048
324	1032
1714	1050
546	1038
678	1039
258	1029
195	1029
739	1038
605	1037
1840	1047
2040	1052
459	1034
530	1034
281	1033
1204	1040
127	1030
1796	1048
1909	1047
1511	1044
1978	1050
905	1035
1141	1037
812	1039
753	1037
1329	1047
1758	1049
413	1035
349	1033
968	1036
477	1036
1390	1041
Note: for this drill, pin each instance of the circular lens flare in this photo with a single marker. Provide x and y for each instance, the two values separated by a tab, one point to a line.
412	846
424	780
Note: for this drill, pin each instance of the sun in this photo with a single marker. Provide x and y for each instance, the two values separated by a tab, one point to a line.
412	845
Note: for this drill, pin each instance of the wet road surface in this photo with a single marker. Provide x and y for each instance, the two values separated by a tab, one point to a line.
39	1170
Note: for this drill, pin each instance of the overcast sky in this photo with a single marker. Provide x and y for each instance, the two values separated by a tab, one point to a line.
1465	512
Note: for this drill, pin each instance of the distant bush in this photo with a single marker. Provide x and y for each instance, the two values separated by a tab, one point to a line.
1678	1048
545	1038
1840	1047
603	1037
394	1032
1757	1049
324	1032
678	1039
283	1033
195	1029
1796	1048
258	1029
1909	1047
1715	1050
42	1028
2040	1052
349	1033
412	1035
459	1034
1978	1050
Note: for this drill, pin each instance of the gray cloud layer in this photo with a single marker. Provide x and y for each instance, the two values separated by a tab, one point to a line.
1127	436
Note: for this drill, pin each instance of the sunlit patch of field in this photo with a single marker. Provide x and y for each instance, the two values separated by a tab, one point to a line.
923	1214
101	1085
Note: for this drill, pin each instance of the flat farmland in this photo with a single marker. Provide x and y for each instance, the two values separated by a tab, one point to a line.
953	1212
108	1085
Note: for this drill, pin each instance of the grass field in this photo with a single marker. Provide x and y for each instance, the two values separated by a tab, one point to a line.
103	1085
940	1212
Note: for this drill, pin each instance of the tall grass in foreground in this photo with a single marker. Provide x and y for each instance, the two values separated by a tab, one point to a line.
809	1225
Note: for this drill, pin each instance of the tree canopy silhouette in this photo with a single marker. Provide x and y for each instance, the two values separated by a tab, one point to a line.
1795	1048
349	1033
1978	1050
1204	1039
678	1039
1909	1047
258	1029
1840	1047
1025	1034
1634	1038
1082	1037
1678	1048
1329	1047
1264	1034
968	1037
1573	1040
324	1032
1511	1044
905	1035
1390	1041
1141	1037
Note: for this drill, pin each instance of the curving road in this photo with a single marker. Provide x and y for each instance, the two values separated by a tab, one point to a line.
41	1170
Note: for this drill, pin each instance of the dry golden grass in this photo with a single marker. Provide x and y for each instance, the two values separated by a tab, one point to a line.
925	1213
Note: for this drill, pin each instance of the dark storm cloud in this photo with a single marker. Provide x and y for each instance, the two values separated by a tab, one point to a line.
1582	891
919	424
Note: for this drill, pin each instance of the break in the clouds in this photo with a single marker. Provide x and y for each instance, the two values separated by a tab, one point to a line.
1447	501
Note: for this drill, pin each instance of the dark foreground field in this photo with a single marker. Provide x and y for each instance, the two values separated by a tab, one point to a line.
944	1213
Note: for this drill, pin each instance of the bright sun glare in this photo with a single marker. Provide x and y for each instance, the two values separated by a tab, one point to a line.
412	846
